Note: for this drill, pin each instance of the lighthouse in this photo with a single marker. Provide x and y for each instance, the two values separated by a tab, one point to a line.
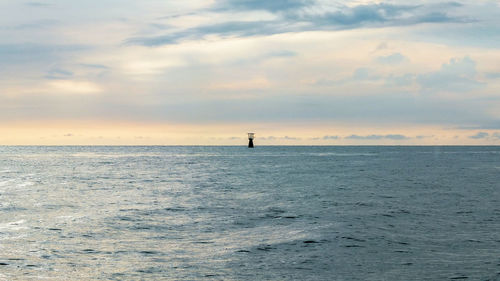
251	136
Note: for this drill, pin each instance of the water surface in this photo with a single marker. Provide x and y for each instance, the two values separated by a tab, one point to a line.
232	213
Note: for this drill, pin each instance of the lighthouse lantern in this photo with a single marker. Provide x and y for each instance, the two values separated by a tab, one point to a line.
251	136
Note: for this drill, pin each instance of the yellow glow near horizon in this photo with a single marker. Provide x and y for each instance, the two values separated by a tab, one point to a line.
120	133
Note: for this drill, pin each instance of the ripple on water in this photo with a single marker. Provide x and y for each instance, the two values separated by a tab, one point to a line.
196	213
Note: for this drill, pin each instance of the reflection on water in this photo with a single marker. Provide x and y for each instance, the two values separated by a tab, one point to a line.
230	213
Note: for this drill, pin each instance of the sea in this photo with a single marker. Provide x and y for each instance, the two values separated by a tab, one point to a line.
234	213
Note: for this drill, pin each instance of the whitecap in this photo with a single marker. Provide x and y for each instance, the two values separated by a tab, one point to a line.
4	183
24	184
15	225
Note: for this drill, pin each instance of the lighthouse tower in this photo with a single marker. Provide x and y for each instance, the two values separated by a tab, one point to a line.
251	136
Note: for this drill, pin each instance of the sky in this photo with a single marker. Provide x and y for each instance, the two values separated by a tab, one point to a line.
206	72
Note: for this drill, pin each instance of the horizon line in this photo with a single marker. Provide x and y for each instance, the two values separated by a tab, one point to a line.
227	145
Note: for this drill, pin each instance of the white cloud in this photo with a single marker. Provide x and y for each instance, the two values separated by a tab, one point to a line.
458	75
394	58
72	87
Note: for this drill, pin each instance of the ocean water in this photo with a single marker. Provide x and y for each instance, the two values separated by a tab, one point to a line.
232	213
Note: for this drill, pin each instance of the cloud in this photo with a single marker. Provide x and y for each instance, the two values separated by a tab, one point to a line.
235	28
436	17
458	75
268	106
37	4
371	137
97	66
496	135
373	13
347	16
331	137
480	135
289	138
239	28
36	24
73	87
392	59
33	53
378	137
272	6
282	53
379	15
400	80
58	73
68	135
492	75
381	46
491	125
303	15
396	137
365	73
